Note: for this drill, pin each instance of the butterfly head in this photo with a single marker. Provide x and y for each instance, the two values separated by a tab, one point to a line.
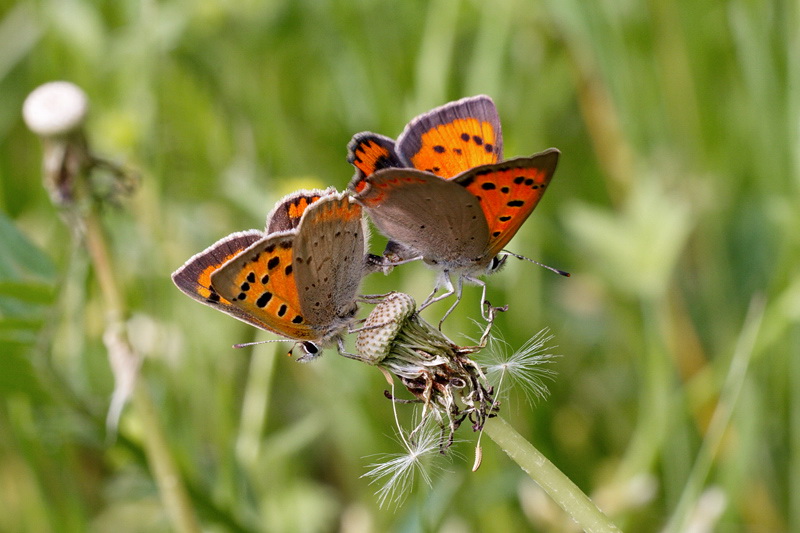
496	264
310	351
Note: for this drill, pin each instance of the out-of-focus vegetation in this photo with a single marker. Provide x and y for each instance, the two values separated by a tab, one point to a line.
676	207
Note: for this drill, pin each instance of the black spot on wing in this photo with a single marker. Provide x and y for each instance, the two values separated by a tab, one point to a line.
264	299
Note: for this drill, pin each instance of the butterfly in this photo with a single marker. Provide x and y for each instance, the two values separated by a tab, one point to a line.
442	192
299	279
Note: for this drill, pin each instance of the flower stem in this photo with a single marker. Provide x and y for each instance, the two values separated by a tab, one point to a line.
560	488
56	112
124	360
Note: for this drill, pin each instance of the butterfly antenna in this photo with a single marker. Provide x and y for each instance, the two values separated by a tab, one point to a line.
395	262
548	267
246	344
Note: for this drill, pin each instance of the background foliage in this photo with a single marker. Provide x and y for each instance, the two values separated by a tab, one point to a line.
675	206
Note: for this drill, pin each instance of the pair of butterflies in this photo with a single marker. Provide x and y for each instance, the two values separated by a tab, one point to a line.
441	193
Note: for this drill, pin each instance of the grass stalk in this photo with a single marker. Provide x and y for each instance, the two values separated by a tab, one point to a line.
720	421
56	112
162	466
557	485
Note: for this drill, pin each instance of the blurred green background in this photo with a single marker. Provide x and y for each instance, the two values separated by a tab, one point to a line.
675	206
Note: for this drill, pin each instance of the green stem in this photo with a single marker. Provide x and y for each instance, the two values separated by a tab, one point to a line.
654	402
162	466
173	493
558	486
722	418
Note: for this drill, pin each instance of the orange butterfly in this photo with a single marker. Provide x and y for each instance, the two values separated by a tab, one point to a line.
300	279
443	192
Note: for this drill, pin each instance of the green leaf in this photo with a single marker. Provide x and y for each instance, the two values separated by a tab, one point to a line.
27	288
22	261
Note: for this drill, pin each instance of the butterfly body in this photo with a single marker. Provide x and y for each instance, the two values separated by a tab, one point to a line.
299	282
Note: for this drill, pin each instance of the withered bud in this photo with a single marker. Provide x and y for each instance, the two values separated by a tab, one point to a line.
438	372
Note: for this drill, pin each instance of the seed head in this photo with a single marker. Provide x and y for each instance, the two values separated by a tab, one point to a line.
436	371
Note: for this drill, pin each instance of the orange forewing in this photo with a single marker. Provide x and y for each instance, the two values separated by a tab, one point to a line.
261	282
370	152
450	149
453	138
194	277
509	192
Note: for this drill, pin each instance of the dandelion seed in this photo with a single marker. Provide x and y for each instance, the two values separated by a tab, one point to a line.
396	472
524	368
478	457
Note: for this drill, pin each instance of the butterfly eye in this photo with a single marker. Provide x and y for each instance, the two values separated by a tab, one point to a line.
310	348
496	264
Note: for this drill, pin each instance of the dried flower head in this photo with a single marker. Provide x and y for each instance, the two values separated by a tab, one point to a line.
55	109
436	371
56	112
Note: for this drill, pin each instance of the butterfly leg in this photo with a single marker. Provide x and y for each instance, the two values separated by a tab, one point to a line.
373	298
343	352
370	327
458	291
492	311
484	340
487	310
443	280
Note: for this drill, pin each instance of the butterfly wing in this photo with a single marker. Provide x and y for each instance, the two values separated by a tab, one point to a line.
194	277
439	219
287	212
329	261
260	281
453	138
370	152
509	192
